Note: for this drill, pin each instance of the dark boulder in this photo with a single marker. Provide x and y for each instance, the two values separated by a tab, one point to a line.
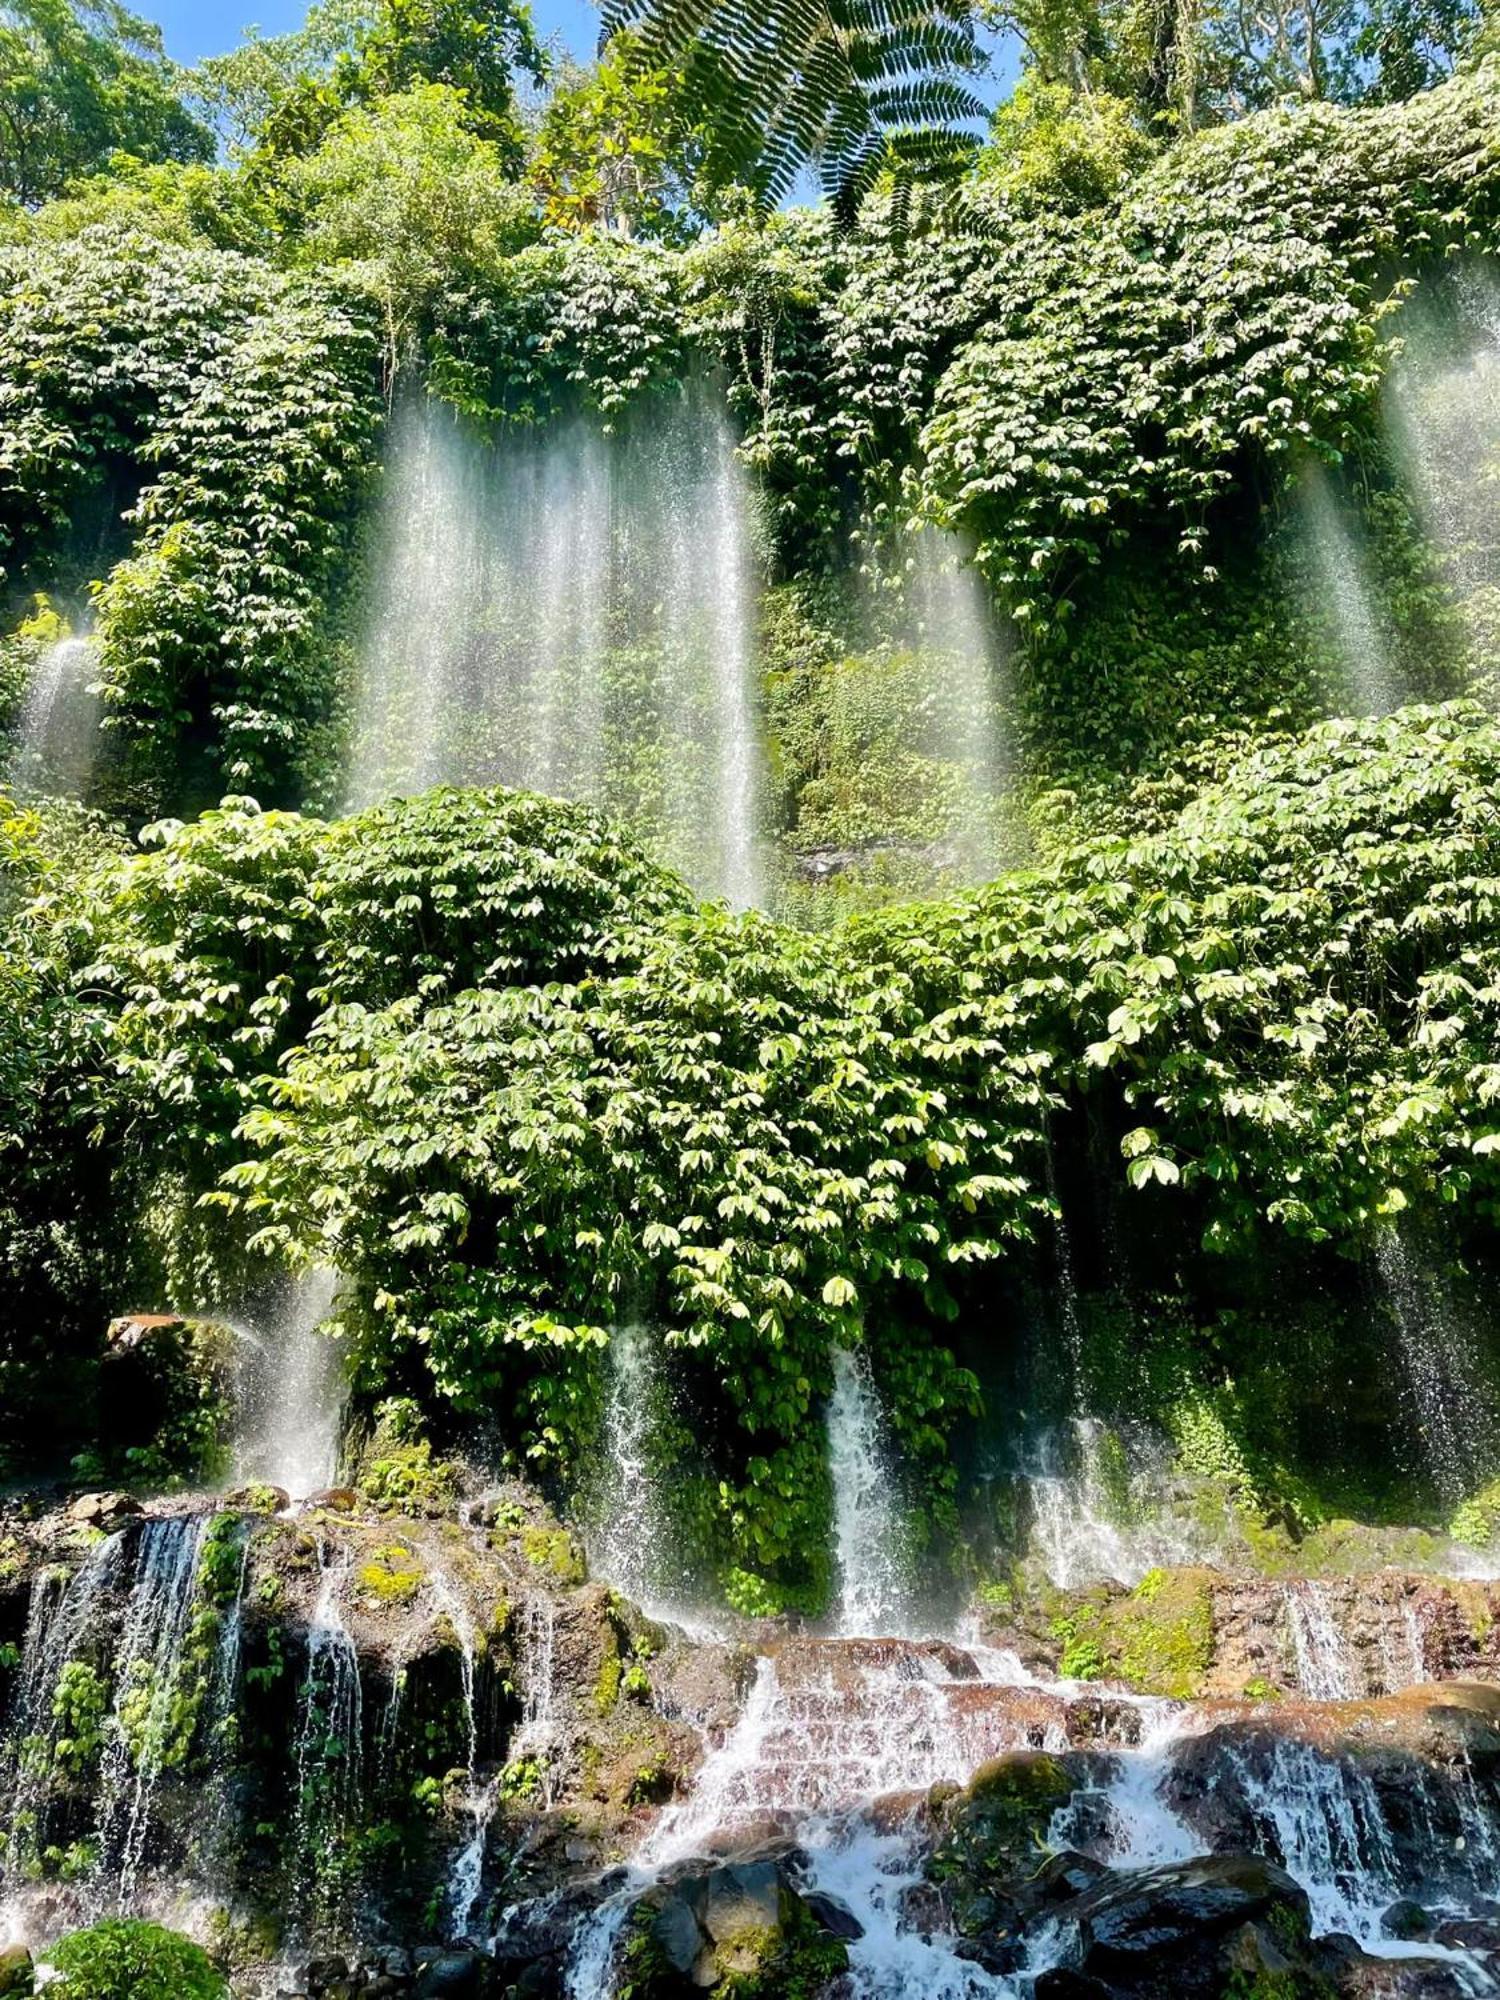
1405	1919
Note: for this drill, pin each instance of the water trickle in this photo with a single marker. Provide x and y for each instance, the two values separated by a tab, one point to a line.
466	1875
541	1734
153	1720
1325	1671
1342	595
874	1583
1454	1415
1101	1505
574	613
58	736
330	1729
291	1390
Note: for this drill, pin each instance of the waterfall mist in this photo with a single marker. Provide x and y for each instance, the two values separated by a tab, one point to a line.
291	1389
573	613
870	1545
58	735
1342	596
1442	410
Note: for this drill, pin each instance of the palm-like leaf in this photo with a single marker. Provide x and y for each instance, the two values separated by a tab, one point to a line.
852	87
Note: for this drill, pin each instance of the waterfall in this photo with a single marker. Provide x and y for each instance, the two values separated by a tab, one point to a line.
1101	1505
630	1539
869	1543
330	1730
573	612
1454	1415
152	1722
466	1876
1443	414
58	736
540	1733
1325	1671
1342	595
290	1390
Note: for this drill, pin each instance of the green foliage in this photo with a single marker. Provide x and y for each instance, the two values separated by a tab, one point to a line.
80	1703
81	80
850	86
127	1960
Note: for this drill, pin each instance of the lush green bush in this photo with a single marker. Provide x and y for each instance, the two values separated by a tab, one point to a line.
127	1960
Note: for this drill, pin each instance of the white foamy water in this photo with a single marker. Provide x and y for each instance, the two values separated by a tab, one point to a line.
1325	1671
1102	1506
873	1572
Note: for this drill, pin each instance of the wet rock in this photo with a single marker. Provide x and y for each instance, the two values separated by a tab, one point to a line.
133	1330
1405	1919
258	1500
455	1975
319	1974
15	1969
1063	1982
335	1500
1174	1927
1065	1876
103	1510
834	1916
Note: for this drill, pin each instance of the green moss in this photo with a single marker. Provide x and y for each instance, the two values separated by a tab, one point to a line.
997	1829
607	1686
1477	1520
392	1576
554	1549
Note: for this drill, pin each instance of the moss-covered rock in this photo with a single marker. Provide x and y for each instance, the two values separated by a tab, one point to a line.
995	1834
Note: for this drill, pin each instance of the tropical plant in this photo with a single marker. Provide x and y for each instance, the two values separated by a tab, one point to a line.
853	88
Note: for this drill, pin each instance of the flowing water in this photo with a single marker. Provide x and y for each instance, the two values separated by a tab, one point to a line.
330	1727
290	1390
870	1559
574	613
1101	1505
630	1535
1443	414
58	736
1325	1671
1343	598
1455	1417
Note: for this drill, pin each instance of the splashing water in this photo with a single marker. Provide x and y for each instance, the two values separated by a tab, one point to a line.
330	1733
873	1576
541	1733
1443	414
58	736
466	1875
1455	1418
291	1391
1343	596
574	613
1101	1505
1325	1671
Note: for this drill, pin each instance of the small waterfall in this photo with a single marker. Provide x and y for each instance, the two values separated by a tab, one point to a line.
467	1873
1101	1505
541	1733
631	1542
1453	1411
1069	1319
1325	1671
330	1731
291	1390
1443	413
869	1545
573	612
1342	595
58	736
154	1716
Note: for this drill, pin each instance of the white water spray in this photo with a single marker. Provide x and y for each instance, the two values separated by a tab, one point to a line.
291	1391
1343	597
574	613
874	1581
58	736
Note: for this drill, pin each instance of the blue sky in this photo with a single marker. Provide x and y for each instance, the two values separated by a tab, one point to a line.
197	28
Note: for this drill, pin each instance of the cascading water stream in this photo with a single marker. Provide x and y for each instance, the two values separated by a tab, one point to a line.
1324	1669
573	612
1454	1413
1101	1505
874	1586
290	1390
58	736
1342	595
330	1730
